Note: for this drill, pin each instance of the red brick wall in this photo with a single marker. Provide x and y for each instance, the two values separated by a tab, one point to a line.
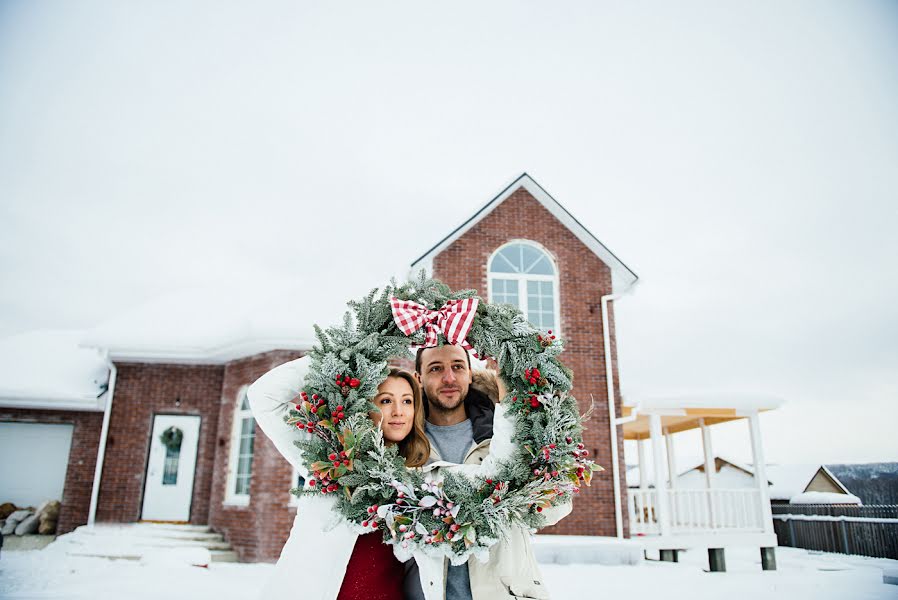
79	475
141	391
583	280
257	532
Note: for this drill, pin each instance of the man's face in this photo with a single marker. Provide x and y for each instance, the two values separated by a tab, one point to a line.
445	376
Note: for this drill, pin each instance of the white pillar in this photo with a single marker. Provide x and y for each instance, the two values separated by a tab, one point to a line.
612	417
757	453
643	468
671	459
101	448
709	454
660	487
709	471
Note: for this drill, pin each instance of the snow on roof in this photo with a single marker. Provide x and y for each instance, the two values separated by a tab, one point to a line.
47	369
622	277
750	469
734	400
791	480
824	498
216	325
694	464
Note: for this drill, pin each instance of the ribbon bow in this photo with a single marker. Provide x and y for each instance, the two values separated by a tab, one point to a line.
453	320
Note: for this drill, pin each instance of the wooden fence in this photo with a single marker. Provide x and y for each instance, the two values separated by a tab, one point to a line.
864	530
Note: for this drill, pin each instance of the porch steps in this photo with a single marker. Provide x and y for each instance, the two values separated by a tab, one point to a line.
147	542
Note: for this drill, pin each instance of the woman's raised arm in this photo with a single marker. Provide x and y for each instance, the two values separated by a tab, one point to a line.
271	397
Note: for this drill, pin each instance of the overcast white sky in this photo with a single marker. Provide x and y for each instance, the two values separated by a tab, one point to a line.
742	159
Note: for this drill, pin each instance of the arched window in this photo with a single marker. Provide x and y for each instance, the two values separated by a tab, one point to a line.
522	273
240	463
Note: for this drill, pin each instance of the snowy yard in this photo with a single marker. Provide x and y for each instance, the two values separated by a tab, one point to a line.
801	576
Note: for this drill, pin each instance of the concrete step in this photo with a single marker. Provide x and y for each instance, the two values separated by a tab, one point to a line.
156	533
146	541
224	556
173	526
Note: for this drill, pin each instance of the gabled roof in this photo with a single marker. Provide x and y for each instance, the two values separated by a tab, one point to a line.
791	480
719	463
622	276
694	465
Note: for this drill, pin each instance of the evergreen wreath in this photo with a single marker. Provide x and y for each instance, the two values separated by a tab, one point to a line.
171	438
464	510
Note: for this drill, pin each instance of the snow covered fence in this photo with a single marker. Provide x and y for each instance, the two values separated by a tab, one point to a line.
863	530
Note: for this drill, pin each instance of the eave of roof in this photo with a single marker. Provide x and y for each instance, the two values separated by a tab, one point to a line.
623	276
204	356
35	400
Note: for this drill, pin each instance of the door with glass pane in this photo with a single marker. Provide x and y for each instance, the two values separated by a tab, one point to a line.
170	469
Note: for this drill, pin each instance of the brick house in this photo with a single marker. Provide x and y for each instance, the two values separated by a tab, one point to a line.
521	247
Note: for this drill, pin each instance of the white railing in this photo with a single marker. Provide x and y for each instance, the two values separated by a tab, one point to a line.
696	511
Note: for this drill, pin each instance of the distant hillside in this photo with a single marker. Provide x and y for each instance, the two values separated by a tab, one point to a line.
873	483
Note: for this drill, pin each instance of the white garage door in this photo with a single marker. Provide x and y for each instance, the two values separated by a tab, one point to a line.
33	462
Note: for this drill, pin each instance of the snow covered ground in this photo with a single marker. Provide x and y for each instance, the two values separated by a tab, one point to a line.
802	575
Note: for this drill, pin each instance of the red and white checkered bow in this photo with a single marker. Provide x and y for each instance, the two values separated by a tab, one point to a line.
453	320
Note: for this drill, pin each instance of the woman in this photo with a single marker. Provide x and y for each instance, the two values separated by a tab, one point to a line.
338	563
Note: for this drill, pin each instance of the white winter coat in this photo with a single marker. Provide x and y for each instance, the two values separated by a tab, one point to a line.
312	550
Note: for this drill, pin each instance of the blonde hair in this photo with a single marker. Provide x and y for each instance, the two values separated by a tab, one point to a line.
415	447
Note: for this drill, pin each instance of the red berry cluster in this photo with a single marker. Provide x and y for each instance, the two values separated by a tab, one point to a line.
338	414
313	405
317	410
532	376
327	485
546	471
533	400
581	461
346	383
339	459
498	488
372	520
545	341
443	511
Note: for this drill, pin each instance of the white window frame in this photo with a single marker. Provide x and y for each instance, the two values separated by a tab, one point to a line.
232	498
523	278
294	500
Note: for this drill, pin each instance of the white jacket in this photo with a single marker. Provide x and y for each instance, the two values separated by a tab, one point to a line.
270	398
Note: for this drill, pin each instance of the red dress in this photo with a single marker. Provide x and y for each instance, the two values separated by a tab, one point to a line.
373	573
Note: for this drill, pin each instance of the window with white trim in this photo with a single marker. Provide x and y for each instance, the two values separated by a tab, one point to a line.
523	273
240	463
297	482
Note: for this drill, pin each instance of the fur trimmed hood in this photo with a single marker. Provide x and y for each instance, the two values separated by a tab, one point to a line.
487	383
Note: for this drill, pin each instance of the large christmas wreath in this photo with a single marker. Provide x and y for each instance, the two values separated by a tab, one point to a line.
465	509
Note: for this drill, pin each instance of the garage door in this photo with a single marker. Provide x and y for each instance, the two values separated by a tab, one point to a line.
33	462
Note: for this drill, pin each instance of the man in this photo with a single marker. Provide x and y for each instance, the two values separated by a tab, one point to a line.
459	424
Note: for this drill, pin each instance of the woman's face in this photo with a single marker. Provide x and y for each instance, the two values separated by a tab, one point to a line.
397	408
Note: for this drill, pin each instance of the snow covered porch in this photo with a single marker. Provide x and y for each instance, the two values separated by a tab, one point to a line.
668	516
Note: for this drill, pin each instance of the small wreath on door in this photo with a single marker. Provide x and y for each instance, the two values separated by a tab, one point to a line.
171	438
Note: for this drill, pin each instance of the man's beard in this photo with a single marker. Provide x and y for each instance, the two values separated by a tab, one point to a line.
438	406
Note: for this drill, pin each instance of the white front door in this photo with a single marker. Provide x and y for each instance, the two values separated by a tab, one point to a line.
169	485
